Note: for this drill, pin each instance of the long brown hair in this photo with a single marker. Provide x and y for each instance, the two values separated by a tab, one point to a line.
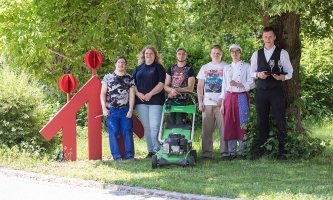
141	55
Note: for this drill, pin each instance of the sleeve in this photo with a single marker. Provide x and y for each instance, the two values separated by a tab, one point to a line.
254	65
224	83
161	74
132	82
105	79
134	74
201	74
168	71
191	72
287	67
249	82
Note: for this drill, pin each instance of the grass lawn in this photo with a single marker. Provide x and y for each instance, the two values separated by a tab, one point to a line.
248	179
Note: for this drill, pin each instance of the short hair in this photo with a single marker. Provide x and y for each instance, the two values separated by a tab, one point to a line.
141	55
216	46
268	29
120	57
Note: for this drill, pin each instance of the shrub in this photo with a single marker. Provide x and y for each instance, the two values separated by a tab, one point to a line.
299	145
23	112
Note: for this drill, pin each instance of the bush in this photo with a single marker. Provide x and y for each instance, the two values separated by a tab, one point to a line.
23	112
299	145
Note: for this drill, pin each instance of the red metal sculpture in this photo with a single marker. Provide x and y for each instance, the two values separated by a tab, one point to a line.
65	119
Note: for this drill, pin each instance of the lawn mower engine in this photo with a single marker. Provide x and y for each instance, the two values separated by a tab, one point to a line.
175	144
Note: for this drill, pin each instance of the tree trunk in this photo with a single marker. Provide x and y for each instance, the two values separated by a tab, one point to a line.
287	37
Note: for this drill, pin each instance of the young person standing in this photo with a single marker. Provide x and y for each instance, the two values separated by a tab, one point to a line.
270	94
117	99
149	78
209	90
235	100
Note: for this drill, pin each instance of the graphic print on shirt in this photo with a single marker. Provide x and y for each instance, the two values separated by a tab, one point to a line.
179	74
118	90
213	80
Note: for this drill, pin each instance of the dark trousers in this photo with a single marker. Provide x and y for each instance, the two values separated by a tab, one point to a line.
266	99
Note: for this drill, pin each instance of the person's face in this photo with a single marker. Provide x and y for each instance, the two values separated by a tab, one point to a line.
216	54
181	56
235	54
149	56
268	38
120	64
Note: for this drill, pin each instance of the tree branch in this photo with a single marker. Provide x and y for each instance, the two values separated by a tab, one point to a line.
63	55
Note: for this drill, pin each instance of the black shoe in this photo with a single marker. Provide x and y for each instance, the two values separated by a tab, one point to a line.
283	157
231	157
206	158
242	157
150	154
225	157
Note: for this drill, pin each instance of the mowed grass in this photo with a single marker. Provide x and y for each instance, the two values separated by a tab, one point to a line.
248	179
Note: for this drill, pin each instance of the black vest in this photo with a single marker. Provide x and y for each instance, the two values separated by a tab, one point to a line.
263	65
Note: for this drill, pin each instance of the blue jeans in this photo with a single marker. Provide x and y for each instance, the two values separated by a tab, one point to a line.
150	117
116	122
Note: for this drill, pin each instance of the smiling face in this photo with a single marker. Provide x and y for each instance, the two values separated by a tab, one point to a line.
268	38
149	56
120	65
216	55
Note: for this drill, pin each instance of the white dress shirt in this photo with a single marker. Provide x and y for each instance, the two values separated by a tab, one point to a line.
284	56
240	73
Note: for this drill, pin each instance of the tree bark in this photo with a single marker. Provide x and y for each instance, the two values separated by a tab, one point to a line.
287	37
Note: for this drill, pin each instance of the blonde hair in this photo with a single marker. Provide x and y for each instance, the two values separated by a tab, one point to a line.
141	55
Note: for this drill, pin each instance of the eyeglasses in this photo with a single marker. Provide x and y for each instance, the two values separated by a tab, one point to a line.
123	63
235	52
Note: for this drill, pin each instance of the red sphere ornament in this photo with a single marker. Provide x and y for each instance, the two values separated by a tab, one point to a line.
68	84
93	59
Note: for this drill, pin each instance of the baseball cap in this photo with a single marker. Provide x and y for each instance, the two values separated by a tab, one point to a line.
181	48
235	46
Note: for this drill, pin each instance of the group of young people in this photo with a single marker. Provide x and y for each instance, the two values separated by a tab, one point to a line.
222	92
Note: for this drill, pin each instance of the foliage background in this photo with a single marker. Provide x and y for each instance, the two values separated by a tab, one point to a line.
47	39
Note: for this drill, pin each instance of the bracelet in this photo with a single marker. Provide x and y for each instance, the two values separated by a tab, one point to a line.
171	90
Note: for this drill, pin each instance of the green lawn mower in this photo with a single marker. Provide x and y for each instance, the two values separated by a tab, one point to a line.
176	139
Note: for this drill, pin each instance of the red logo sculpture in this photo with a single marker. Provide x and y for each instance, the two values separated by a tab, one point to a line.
65	119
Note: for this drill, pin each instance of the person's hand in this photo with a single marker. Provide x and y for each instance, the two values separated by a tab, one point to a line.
233	83
262	75
222	109
219	102
201	107
106	112
173	93
279	77
129	114
140	96
147	96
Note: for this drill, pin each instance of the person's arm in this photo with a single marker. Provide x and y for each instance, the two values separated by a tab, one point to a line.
189	87
254	68
200	90
131	102
287	67
172	92
158	88
103	99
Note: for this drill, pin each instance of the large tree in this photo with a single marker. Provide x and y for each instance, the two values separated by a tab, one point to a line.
291	18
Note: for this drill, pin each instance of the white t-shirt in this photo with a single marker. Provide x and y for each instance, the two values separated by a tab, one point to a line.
212	76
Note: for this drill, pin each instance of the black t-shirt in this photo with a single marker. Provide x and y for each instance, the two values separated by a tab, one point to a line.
146	78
